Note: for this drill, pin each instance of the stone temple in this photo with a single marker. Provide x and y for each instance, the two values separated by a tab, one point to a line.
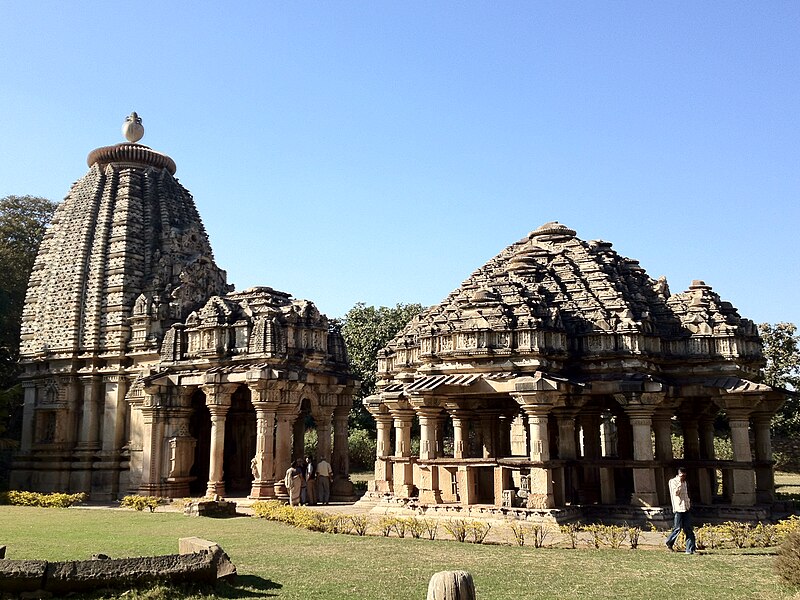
552	380
144	371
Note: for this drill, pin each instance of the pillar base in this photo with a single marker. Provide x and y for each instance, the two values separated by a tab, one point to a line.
215	488
261	490
430	497
279	490
342	489
178	487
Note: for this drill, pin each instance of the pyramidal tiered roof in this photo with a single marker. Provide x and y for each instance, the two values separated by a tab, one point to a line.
553	294
126	231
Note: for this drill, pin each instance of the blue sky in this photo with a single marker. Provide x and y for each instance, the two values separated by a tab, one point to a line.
381	152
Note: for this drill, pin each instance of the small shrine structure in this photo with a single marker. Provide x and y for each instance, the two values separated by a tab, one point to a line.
145	373
553	379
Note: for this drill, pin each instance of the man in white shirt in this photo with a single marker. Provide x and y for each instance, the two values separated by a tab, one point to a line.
324	475
679	494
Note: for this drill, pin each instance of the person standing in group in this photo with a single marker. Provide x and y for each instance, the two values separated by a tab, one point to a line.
311	484
294	483
323	481
679	494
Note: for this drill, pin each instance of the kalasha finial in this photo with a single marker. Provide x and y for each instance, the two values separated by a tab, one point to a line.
132	128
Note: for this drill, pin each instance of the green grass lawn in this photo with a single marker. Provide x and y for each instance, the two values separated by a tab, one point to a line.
281	562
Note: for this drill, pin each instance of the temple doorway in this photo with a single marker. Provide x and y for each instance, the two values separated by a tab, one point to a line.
240	444
200	430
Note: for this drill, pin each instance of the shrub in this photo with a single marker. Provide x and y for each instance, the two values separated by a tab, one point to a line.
519	530
400	525
571	530
140	502
458	528
431	527
596	534
54	500
710	536
787	563
739	533
633	533
479	530
764	535
338	524
786	526
360	524
416	527
386	525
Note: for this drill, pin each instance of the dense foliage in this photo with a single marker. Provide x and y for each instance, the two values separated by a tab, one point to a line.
23	220
782	351
366	330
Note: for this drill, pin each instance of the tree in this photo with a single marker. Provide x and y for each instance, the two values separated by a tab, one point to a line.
366	330
782	351
23	221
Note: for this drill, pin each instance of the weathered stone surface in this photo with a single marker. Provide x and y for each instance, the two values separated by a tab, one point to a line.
451	585
82	576
22	575
225	568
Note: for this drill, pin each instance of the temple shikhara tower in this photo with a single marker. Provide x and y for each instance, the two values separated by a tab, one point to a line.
553	379
145	372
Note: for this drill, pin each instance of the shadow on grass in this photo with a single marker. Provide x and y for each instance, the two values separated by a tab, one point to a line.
248	586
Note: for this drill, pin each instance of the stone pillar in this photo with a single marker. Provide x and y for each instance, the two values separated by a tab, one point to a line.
152	436
105	478
218	401
607	435
428	485
342	487
708	481
89	436
504	430
28	419
402	465
644	482
567	451
323	418
488	420
744	493
285	415
114	413
72	433
541	494
384	443
662	429
402	428
440	434
428	418
90	424
383	463
765	473
460	433
264	460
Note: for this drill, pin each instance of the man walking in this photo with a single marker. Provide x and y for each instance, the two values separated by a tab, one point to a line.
324	474
679	494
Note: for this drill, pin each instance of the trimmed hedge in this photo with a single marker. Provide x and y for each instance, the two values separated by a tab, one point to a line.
54	500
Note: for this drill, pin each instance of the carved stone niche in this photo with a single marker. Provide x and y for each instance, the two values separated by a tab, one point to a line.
181	457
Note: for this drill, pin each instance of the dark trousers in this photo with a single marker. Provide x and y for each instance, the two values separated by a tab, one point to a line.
683	521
